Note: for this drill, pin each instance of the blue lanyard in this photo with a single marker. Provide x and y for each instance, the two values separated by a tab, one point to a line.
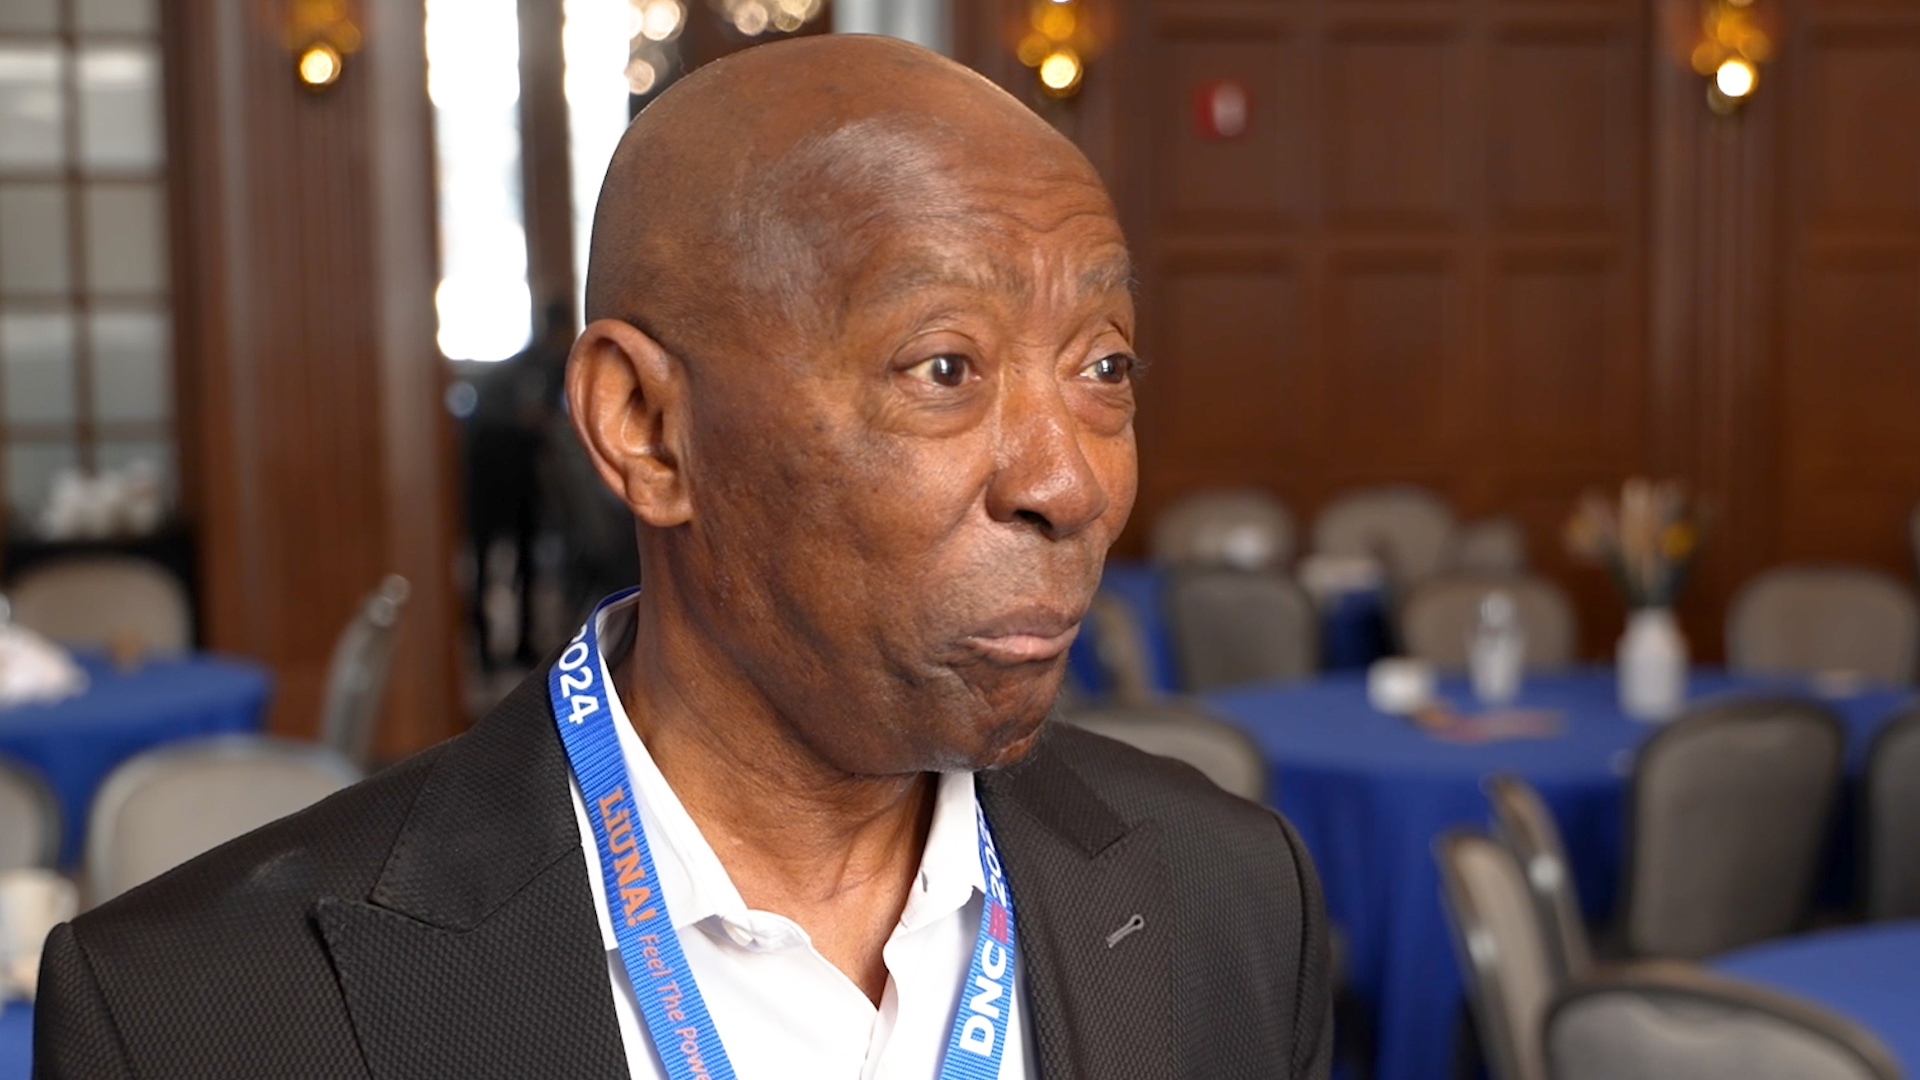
663	983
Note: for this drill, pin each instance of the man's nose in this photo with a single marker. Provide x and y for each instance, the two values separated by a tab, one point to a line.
1043	476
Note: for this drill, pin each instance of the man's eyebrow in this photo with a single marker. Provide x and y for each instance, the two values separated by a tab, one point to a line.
1113	274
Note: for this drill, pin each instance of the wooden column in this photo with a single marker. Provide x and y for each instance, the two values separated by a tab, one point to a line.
1711	308
318	452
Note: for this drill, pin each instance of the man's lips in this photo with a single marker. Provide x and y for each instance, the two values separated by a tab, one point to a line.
1024	638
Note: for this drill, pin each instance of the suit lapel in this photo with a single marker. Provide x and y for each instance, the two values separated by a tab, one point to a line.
1079	875
478	952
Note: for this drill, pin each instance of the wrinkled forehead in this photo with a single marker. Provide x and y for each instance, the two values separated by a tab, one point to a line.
885	206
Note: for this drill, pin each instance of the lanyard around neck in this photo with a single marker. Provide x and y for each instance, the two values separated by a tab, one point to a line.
663	984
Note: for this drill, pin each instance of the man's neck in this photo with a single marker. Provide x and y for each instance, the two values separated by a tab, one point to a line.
835	853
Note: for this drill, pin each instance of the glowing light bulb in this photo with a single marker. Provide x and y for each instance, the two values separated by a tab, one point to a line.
641	76
319	65
1736	78
1060	72
750	19
660	20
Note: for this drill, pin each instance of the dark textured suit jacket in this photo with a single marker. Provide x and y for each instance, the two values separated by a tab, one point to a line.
435	920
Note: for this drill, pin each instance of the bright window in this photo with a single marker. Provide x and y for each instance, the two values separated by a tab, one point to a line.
86	336
473	77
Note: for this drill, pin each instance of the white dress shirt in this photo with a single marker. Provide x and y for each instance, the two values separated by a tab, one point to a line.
781	1008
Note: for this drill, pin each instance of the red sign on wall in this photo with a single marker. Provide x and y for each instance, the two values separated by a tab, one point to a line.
1222	109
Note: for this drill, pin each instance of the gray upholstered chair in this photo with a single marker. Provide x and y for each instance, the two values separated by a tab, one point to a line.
101	601
1523	823
1727	816
1890	814
1408	528
1235	626
1505	952
1913	536
1495	545
1667	1021
1437	619
164	806
1120	647
1809	619
357	674
1181	732
29	818
1244	528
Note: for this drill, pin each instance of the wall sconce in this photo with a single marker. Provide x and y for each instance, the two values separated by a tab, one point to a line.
1059	41
321	34
1730	53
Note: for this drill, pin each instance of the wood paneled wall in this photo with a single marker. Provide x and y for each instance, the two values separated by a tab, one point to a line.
318	454
1848	162
1503	249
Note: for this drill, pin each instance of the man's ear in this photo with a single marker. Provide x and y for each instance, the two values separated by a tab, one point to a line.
627	398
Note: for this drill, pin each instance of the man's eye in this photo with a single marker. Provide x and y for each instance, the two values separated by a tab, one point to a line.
943	370
1113	369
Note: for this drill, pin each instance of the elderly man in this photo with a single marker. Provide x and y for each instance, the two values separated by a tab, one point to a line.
860	362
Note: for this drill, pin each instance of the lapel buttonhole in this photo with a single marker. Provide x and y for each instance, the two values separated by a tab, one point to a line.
1137	922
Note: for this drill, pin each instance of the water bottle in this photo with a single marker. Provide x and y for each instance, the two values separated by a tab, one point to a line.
1496	655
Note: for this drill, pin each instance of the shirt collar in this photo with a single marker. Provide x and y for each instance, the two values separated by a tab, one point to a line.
695	885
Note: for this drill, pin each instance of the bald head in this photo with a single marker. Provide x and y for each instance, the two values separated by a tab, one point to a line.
739	205
860	362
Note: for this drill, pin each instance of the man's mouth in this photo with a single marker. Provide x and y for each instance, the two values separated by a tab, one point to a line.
1028	636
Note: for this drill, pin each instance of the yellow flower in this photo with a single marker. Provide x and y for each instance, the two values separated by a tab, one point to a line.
1677	540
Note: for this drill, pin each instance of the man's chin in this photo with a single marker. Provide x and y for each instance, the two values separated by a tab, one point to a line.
1011	752
1015	729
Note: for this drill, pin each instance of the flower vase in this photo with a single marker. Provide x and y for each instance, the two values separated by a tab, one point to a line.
1652	663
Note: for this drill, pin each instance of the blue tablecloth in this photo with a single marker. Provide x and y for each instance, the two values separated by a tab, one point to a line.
1353	630
16	1042
1370	793
1869	974
75	743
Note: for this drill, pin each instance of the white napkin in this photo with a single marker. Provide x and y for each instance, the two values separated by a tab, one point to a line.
33	669
32	903
1326	576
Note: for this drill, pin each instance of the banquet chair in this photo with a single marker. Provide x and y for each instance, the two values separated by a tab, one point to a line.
1237	626
1438	617
1913	536
100	601
1651	1021
1727	813
1523	823
162	807
1890	813
1408	528
1222	752
1120	647
1809	619
29	818
1495	545
356	685
1505	951
1244	528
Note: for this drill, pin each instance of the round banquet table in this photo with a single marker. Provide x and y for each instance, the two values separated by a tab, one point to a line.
1868	974
1370	793
16	1041
75	743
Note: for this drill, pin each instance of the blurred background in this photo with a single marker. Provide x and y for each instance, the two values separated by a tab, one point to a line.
301	273
1608	310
